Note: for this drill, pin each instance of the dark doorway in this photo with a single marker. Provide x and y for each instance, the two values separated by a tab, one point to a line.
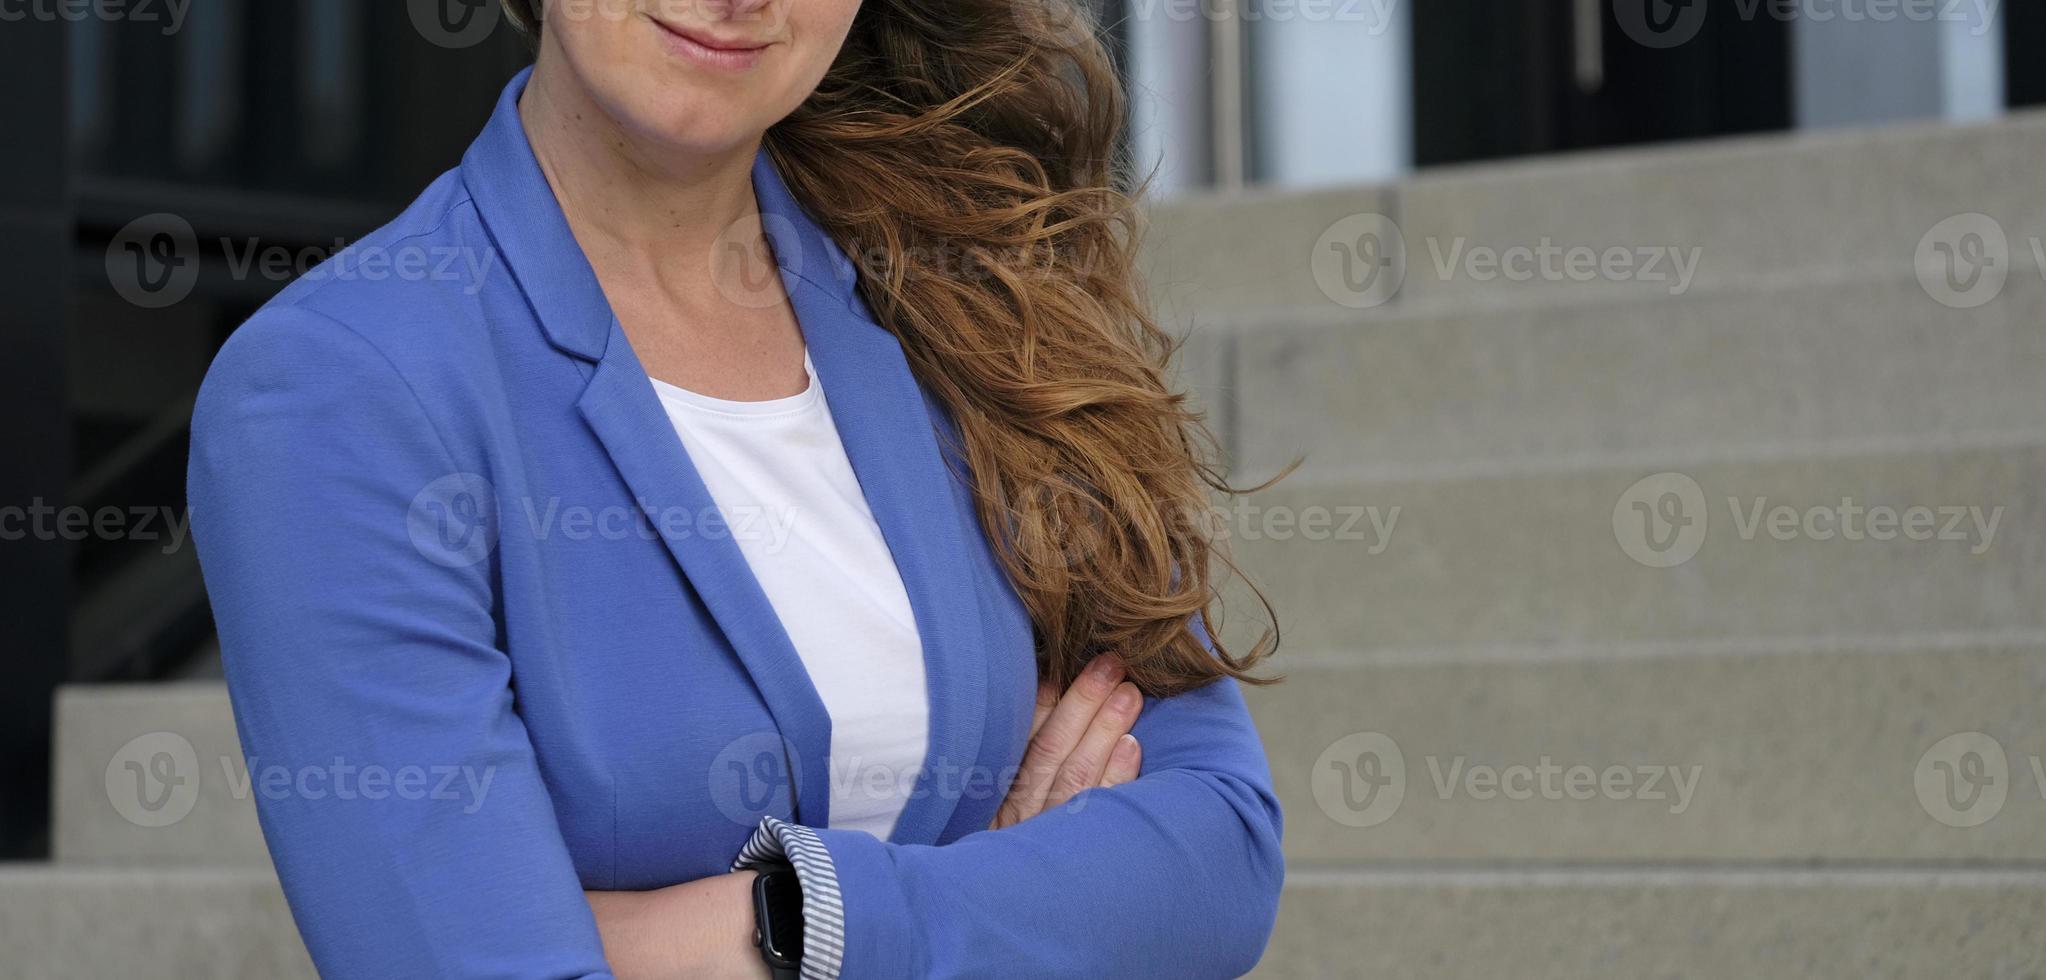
2024	36
1498	80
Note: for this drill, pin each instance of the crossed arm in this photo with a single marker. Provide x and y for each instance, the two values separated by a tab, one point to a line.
704	928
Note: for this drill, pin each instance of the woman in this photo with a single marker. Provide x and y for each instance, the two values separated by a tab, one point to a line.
568	597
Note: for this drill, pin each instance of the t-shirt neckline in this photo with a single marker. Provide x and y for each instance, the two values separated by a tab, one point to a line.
789	405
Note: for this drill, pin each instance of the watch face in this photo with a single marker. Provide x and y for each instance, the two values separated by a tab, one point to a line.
781	927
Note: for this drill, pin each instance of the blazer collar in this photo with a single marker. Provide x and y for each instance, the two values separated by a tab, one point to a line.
517	205
888	427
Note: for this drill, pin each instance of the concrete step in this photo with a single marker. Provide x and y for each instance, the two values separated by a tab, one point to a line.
59	923
1797	755
1769	209
68	924
1746	211
151	776
1671	550
1205	254
1699	924
1828	363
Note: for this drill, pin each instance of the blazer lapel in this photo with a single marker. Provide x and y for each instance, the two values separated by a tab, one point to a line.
891	439
621	408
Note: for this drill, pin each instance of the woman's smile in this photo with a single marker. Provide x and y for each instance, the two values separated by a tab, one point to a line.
709	49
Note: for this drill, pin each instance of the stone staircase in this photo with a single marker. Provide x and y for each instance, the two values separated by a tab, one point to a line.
1757	711
149	882
1530	728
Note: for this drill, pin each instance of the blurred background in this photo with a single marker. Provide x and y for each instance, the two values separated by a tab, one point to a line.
1664	585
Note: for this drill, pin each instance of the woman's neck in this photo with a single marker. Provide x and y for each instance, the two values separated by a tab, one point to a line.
675	239
622	193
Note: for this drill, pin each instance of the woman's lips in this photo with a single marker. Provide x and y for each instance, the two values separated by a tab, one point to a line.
708	50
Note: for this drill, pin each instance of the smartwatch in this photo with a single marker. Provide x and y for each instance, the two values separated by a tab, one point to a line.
778	920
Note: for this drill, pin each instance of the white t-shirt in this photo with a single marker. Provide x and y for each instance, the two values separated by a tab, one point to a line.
781	477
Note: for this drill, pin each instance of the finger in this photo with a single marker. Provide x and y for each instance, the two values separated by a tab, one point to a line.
1088	761
1047	699
1011	810
1061	732
1124	762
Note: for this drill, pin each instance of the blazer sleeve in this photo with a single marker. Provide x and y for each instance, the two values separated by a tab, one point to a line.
396	784
1176	873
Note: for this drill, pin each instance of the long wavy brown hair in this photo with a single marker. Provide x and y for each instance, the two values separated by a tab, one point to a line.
964	153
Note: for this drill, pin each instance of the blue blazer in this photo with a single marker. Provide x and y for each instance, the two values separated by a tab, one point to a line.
489	644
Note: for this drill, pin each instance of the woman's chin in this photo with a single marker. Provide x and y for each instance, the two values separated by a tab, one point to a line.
699	134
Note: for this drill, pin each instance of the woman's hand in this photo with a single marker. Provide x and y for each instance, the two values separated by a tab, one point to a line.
1078	741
